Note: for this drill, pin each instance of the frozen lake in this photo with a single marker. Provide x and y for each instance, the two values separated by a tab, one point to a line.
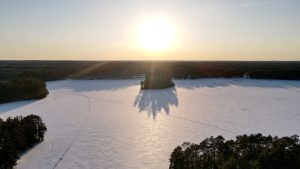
112	124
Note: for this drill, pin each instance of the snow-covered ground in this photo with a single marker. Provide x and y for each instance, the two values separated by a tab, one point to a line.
112	124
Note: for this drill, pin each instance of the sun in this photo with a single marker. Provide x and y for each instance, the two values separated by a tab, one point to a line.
156	34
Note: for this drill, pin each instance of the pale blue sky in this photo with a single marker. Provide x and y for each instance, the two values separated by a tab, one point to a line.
106	30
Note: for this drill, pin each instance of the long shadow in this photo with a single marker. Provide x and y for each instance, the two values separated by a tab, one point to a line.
92	85
155	101
222	82
5	107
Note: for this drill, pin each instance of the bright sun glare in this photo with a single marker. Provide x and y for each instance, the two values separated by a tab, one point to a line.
156	34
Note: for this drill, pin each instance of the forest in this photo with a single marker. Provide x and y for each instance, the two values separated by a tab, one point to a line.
17	135
253	151
22	89
56	70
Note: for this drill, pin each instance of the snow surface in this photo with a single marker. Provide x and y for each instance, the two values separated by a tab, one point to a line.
112	124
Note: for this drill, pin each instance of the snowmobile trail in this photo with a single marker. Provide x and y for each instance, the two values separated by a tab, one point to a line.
77	134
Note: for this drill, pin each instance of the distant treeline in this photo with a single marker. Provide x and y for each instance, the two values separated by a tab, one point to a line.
245	152
17	135
22	89
55	70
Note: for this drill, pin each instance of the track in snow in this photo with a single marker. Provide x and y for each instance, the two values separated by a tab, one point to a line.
78	133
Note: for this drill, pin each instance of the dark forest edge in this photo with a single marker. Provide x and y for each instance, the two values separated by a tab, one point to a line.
57	70
253	151
17	135
22	89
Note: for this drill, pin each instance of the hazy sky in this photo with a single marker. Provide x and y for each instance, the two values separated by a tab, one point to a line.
107	29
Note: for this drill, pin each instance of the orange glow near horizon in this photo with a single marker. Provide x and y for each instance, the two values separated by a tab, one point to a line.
150	30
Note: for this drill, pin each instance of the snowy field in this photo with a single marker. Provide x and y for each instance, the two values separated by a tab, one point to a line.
112	124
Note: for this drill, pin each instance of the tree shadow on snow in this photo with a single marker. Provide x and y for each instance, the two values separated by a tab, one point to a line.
222	82
155	101
92	85
6	107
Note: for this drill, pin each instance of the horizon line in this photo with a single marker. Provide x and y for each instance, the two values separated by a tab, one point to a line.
93	60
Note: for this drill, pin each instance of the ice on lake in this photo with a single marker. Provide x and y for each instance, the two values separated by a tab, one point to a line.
112	124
